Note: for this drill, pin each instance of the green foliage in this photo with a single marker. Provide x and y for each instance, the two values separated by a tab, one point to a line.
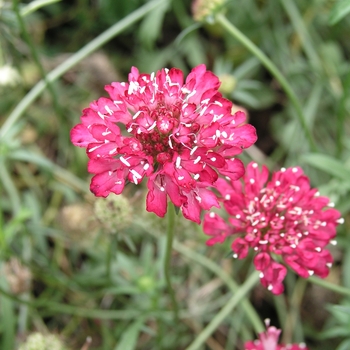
112	287
339	10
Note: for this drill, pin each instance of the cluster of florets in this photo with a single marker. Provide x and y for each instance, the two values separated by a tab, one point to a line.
269	341
181	135
282	217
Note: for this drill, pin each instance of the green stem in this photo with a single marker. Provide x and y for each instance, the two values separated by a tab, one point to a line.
292	325
35	5
233	286
74	59
167	258
111	255
300	28
225	311
10	187
35	56
341	116
237	34
331	286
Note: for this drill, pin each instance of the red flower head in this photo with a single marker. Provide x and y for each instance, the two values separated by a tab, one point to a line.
281	217
269	341
178	134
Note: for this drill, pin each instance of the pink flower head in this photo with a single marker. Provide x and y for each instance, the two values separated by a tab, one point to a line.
180	135
269	341
283	216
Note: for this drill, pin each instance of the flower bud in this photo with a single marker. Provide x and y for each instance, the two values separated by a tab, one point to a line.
204	10
17	276
78	223
228	83
114	213
38	341
9	76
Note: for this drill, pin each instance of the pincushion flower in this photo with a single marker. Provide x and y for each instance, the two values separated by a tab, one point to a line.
282	217
269	341
180	134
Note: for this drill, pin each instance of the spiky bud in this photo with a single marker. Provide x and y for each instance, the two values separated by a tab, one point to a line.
114	213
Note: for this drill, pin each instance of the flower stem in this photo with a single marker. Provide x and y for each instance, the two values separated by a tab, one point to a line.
331	286
237	34
74	59
220	272
225	311
167	258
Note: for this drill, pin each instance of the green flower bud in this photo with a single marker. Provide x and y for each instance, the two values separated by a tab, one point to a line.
205	10
38	341
228	83
9	76
114	213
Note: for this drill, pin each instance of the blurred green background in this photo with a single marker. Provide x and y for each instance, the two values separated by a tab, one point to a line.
63	270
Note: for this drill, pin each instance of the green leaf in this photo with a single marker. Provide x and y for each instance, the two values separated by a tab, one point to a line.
36	5
327	164
345	345
151	26
128	340
340	9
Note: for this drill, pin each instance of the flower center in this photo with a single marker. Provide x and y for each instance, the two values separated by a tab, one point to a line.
160	132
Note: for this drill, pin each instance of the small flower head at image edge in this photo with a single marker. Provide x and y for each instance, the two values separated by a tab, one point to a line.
269	341
179	134
282	217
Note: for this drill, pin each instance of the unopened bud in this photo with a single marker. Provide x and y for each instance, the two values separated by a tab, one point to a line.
114	212
228	83
9	76
205	10
18	276
78	223
38	341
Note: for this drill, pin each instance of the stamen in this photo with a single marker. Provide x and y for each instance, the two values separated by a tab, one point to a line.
93	148
136	114
135	173
197	160
152	126
123	160
193	150
178	162
108	110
